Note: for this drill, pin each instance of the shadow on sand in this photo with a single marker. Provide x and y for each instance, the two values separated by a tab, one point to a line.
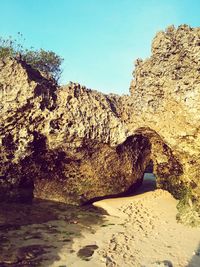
195	260
33	234
148	184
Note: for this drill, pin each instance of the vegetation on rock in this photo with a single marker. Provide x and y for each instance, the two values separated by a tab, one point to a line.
48	62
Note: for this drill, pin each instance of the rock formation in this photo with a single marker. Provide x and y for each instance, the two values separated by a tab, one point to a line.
166	95
65	144
72	144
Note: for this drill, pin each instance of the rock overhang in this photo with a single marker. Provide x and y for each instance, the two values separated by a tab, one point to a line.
78	130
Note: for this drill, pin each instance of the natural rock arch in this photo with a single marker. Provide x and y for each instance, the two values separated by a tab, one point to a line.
96	170
166	166
85	131
140	149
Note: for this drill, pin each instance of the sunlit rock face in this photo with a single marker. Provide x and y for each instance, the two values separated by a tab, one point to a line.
63	143
73	144
24	93
166	96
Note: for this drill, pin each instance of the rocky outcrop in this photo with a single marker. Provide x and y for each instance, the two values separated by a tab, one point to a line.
166	96
72	144
66	144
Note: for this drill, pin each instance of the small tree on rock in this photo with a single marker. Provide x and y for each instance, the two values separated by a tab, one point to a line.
47	62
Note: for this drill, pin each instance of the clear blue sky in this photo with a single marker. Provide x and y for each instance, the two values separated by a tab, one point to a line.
98	39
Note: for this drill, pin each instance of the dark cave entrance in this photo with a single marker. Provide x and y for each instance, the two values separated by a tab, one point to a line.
149	181
161	169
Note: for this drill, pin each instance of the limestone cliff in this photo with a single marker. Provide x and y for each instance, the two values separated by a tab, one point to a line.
166	96
72	144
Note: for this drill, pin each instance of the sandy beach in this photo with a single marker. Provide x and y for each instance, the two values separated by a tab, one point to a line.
135	231
141	231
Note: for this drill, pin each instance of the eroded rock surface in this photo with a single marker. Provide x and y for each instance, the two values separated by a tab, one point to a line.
72	144
67	144
166	95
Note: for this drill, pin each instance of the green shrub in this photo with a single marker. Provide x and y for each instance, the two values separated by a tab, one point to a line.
47	62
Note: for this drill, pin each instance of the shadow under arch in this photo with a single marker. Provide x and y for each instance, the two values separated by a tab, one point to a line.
35	234
163	163
154	164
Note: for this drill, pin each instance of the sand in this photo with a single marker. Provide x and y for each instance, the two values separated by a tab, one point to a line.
142	231
139	230
151	235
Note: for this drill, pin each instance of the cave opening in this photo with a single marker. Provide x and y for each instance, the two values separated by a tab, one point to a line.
148	180
142	163
159	167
